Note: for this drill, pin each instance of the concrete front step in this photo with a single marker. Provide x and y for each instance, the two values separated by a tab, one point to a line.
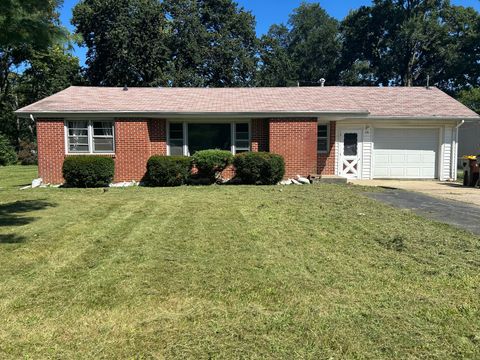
327	179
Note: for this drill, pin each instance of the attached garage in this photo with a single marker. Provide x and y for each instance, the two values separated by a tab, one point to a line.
406	153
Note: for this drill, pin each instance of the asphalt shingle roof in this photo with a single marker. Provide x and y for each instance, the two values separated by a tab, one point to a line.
376	101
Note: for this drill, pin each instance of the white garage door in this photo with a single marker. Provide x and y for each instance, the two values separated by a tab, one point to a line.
405	153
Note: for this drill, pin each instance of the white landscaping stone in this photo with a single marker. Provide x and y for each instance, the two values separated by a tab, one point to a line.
286	182
303	180
296	182
26	187
36	183
124	184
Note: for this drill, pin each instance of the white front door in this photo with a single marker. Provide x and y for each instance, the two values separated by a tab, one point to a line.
350	154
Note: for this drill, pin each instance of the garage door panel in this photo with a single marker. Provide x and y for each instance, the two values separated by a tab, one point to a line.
405	153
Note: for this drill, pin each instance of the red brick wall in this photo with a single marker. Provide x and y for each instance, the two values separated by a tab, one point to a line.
296	141
326	162
135	141
157	131
259	129
51	149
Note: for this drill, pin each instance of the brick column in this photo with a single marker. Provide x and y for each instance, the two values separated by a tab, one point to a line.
132	149
157	134
51	149
259	135
326	162
296	141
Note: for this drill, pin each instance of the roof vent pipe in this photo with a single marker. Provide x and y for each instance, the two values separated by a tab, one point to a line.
125	87
428	82
322	82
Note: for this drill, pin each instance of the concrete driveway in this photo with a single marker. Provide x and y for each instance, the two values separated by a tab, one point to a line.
443	190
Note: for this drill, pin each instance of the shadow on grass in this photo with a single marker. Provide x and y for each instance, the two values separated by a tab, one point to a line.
12	214
11	239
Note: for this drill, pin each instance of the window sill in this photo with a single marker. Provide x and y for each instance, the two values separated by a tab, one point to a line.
91	154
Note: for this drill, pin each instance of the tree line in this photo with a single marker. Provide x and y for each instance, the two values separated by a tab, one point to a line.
213	43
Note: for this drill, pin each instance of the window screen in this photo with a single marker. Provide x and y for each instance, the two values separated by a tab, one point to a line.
242	138
176	139
322	139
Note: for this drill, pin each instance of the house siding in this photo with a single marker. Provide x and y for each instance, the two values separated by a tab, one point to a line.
296	141
446	161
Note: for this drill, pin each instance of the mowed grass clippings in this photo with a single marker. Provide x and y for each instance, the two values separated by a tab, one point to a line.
311	272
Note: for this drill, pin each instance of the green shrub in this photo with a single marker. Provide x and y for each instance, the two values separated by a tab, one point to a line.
168	170
259	168
210	163
27	154
88	171
8	156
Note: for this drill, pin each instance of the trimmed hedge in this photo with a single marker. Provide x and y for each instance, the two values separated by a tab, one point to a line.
259	168
210	163
168	170
87	171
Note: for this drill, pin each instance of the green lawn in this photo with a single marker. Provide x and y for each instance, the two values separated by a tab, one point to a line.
315	272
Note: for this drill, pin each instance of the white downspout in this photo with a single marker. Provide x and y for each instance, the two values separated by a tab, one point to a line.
454	162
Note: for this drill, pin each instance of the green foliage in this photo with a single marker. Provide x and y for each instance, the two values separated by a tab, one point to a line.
403	42
87	171
210	163
213	43
29	23
27	29
49	72
168	170
126	41
276	65
7	152
471	98
259	168
305	51
27	155
314	43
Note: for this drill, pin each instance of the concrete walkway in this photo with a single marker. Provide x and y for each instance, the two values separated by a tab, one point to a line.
443	190
462	215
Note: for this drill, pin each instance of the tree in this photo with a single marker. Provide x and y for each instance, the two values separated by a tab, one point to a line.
48	72
471	98
25	27
306	50
126	41
276	64
213	43
314	43
404	41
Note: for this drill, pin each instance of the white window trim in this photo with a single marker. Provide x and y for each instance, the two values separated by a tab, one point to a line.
90	138
186	151
328	139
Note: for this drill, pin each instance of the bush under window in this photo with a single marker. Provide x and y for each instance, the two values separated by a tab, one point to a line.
8	156
88	171
210	163
259	168
168	170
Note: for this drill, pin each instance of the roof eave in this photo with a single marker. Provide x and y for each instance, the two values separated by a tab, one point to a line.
156	114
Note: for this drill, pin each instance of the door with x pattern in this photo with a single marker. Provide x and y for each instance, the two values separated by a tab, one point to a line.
350	153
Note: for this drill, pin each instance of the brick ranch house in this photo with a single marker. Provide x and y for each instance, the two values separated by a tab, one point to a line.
353	132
